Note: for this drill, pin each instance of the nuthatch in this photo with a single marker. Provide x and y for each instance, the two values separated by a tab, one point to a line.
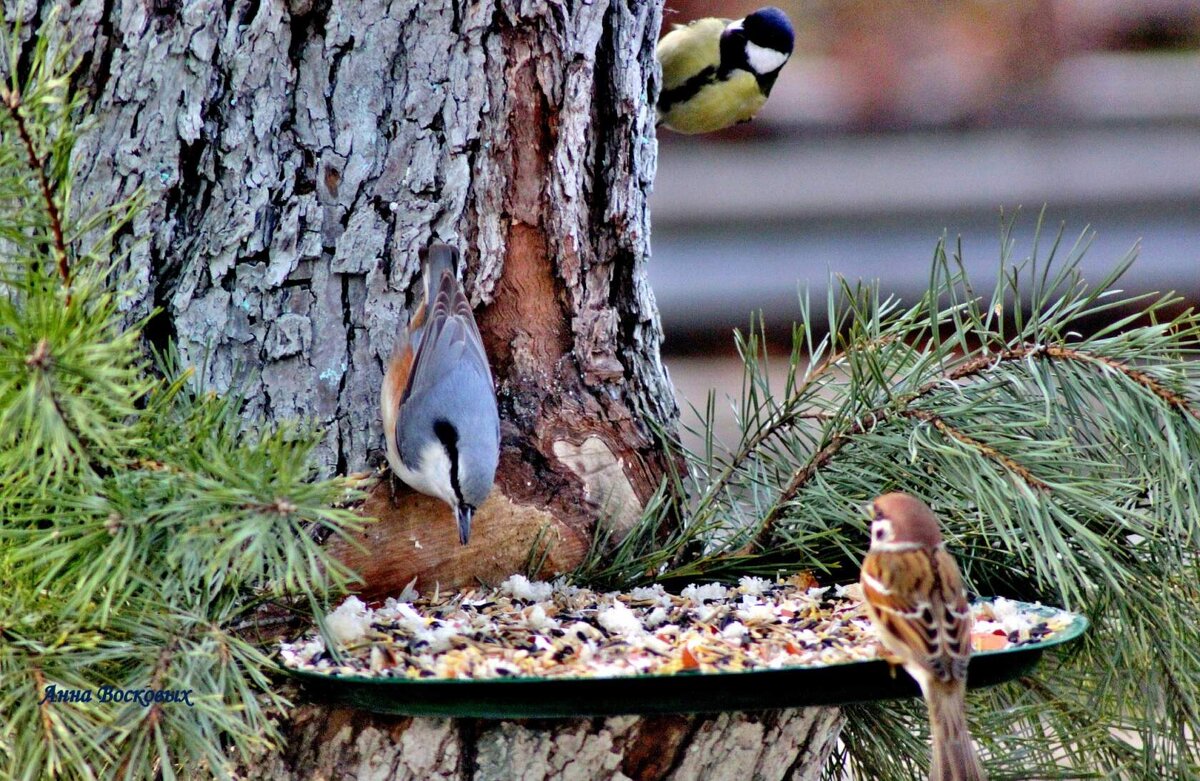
717	72
438	399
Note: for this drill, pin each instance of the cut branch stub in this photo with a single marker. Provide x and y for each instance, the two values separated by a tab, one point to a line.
415	536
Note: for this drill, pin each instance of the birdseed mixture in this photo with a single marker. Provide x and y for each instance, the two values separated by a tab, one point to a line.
555	630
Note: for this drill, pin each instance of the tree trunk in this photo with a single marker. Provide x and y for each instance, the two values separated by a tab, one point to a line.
294	157
340	744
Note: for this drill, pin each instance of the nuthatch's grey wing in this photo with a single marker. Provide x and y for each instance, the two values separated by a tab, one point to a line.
450	399
448	336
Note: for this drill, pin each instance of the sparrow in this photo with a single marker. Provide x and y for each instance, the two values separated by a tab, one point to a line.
914	596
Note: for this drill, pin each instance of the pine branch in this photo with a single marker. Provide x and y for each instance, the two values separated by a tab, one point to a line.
43	708
142	518
969	369
983	448
790	413
1176	400
12	101
1063	464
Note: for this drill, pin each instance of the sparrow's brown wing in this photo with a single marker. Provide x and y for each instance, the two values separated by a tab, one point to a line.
955	625
896	586
917	602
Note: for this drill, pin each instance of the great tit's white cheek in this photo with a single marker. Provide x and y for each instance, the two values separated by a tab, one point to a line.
763	60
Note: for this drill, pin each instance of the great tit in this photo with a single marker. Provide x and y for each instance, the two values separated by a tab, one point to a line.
717	72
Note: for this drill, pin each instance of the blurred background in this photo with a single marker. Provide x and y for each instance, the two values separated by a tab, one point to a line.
896	123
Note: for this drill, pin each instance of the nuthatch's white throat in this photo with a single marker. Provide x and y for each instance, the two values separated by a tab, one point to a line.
438	400
717	72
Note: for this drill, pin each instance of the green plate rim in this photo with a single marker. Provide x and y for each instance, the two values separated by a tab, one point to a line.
1079	624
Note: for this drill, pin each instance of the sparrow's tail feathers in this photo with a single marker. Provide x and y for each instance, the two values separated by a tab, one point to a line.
954	757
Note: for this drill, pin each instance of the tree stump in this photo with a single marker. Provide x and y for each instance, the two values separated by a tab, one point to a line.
339	744
295	155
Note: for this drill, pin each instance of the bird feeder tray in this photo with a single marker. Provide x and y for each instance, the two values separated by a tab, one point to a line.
686	691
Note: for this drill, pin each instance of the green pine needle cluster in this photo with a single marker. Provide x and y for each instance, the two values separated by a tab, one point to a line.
1054	426
142	525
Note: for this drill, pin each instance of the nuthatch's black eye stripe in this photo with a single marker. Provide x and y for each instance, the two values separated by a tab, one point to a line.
448	435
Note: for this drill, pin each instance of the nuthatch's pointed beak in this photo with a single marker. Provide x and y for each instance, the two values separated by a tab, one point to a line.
464	513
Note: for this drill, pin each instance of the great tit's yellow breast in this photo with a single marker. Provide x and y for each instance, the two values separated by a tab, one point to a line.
717	105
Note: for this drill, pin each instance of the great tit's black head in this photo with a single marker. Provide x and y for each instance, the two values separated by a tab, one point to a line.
761	43
770	28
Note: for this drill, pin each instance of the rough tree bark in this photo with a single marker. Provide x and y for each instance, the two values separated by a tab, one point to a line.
295	155
772	745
